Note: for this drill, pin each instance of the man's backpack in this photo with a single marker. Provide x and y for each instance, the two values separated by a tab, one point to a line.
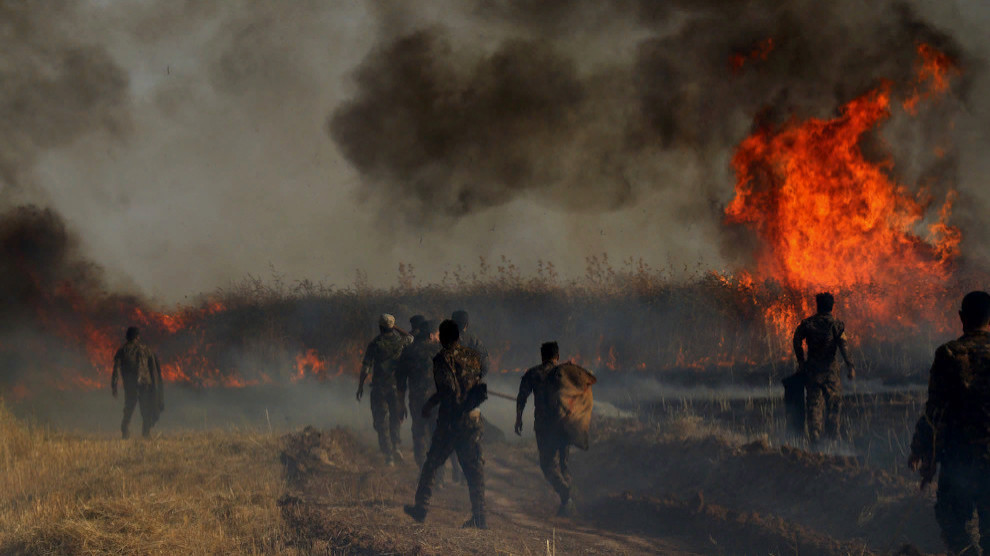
571	397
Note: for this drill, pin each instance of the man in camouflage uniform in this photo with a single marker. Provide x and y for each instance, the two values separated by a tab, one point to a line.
137	366
415	322
380	361
551	441
469	340
460	390
824	335
415	375
955	430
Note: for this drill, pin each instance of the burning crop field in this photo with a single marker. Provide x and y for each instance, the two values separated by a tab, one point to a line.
660	189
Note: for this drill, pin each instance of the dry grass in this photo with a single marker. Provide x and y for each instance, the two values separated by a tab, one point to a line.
194	493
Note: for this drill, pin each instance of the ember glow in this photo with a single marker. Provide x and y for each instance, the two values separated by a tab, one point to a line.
934	70
309	363
831	219
759	52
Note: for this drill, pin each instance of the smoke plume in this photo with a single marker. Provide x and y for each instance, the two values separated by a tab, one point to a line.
447	125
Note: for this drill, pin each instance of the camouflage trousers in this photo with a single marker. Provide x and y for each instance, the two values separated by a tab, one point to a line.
824	405
386	414
422	427
464	439
554	449
963	489
143	396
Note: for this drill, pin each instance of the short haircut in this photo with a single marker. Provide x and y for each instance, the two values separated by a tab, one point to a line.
132	333
426	328
825	302
416	320
975	310
461	318
549	351
449	332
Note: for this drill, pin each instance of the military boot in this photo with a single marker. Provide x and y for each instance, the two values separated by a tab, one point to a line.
418	513
477	521
567	509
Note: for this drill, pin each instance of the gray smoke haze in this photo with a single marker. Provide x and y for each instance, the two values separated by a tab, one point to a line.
189	144
53	90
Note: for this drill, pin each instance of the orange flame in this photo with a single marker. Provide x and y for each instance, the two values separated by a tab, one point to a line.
309	363
832	219
933	68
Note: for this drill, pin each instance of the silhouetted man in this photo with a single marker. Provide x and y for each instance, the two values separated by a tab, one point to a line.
381	359
824	335
415	322
460	390
137	366
955	430
551	441
415	375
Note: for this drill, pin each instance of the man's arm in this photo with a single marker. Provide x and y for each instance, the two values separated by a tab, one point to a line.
156	371
841	343
429	405
485	365
116	374
367	365
402	374
930	427
479	347
525	389
799	343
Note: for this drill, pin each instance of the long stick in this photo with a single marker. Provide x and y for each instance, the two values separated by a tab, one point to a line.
501	395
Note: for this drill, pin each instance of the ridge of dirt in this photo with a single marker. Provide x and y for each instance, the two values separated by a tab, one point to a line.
831	496
639	492
724	531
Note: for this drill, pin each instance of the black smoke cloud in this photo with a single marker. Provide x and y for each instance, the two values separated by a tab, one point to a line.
442	127
37	253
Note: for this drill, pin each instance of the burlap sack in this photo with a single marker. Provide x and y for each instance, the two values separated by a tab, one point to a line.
570	389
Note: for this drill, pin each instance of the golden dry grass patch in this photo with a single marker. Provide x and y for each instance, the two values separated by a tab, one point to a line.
189	493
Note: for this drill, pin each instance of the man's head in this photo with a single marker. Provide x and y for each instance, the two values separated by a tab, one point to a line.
415	322
460	317
824	301
449	333
428	330
132	333
386	322
549	352
975	310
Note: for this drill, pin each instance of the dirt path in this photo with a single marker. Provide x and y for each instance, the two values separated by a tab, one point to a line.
639	496
342	499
